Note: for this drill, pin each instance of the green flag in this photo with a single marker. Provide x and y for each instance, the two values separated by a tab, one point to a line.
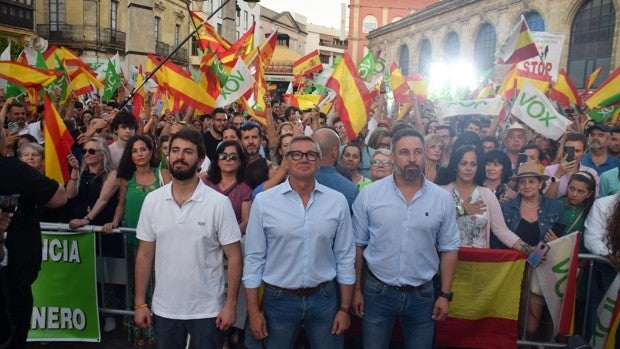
602	114
112	81
62	83
366	66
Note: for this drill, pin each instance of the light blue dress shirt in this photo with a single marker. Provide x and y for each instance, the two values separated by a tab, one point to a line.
292	246
403	239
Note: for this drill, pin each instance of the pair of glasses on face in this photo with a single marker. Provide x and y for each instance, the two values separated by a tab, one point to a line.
297	155
90	151
381	163
226	156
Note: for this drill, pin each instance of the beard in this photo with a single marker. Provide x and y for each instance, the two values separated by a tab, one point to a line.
410	172
184	174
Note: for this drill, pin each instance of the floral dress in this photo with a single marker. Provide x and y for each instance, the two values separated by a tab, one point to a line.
472	228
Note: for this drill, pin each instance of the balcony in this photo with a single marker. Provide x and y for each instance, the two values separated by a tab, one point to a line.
83	37
17	15
180	57
162	49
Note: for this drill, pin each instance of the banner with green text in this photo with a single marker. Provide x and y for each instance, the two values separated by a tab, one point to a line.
65	293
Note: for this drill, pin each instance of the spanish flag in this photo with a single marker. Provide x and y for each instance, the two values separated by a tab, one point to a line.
28	77
564	91
58	142
265	49
307	64
417	85
485	310
207	36
241	48
515	78
353	98
606	94
592	77
519	45
139	96
399	85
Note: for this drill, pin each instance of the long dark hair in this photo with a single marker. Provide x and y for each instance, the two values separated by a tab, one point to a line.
126	167
447	175
613	230
588	179
215	172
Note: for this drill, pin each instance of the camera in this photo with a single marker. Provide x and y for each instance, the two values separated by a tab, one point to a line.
8	203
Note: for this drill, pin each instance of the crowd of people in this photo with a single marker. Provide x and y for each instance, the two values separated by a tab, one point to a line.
254	232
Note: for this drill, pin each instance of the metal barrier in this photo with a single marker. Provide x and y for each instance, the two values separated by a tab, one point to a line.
114	271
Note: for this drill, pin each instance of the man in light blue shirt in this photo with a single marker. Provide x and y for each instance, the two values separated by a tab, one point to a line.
405	228
299	241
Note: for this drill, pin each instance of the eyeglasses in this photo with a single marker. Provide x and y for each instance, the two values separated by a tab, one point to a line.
226	156
89	151
297	155
381	163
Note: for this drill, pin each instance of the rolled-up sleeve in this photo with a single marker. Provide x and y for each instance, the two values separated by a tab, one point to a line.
255	248
360	220
344	248
448	238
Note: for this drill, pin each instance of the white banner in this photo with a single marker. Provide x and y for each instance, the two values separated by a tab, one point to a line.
238	82
535	109
550	48
487	106
605	312
553	274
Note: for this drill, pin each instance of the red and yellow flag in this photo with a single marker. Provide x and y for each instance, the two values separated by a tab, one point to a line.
352	96
592	77
23	75
519	45
241	48
417	85
81	81
564	91
399	85
265	49
58	142
139	96
207	36
485	310
513	82
178	83
606	94
307	64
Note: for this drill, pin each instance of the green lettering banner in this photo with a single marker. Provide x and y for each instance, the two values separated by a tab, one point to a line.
65	293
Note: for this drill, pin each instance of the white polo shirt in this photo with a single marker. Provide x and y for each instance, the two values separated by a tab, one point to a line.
189	270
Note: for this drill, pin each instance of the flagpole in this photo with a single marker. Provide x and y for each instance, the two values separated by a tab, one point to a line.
148	77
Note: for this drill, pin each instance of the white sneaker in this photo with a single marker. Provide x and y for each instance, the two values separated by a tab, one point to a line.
109	324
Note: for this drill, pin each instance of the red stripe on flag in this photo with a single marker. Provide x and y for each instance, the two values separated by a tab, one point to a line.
567	313
469	254
462	333
61	140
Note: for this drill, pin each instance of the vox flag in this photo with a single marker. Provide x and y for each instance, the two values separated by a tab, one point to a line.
238	82
535	109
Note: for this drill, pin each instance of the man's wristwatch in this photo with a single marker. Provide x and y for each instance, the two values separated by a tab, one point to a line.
555	179
445	295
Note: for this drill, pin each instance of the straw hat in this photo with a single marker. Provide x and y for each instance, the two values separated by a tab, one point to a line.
513	127
529	170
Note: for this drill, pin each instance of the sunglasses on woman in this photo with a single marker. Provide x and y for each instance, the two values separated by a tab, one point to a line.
89	151
226	156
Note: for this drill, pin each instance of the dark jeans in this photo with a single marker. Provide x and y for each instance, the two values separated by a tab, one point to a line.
21	301
172	333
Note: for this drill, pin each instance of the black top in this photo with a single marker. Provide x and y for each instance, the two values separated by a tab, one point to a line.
528	232
88	193
211	145
23	240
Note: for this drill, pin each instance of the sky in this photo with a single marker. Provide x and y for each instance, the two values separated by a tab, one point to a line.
321	12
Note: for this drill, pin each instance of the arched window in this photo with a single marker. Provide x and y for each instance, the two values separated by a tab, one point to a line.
426	54
451	47
484	53
591	41
369	23
403	59
535	21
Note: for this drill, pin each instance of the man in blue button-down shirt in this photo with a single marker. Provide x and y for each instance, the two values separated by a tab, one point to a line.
405	229
299	240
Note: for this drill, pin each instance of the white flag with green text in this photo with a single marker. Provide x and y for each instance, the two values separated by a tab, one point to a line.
238	83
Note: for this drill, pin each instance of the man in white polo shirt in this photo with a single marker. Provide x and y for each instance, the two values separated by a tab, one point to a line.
186	227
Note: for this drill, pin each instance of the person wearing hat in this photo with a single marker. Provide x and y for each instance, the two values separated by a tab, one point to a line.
533	217
598	158
515	137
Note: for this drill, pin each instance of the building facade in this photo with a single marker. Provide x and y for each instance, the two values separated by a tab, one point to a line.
368	15
472	30
17	20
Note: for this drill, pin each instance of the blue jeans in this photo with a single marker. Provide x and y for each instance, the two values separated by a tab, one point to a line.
384	304
172	333
603	276
286	313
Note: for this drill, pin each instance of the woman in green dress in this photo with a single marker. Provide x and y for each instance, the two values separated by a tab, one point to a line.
580	195
139	174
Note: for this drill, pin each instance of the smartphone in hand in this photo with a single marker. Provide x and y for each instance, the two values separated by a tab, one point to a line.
569	151
537	255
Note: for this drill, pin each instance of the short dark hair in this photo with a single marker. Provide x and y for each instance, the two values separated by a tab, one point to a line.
219	110
473	121
503	159
124	117
541	154
191	135
490	139
405	132
445	127
467	138
579	137
236	130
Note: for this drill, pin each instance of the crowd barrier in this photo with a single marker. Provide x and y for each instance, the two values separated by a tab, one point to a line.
115	271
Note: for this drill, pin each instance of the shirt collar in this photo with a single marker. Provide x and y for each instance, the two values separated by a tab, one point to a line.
199	193
285	187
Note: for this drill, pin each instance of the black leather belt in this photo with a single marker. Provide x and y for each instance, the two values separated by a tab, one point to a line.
403	288
302	292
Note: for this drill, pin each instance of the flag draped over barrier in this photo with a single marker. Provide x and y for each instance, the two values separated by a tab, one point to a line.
485	309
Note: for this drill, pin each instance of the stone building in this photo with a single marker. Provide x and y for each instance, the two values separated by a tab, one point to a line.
367	15
472	30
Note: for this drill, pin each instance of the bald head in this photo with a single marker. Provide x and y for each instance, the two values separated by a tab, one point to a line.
329	142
